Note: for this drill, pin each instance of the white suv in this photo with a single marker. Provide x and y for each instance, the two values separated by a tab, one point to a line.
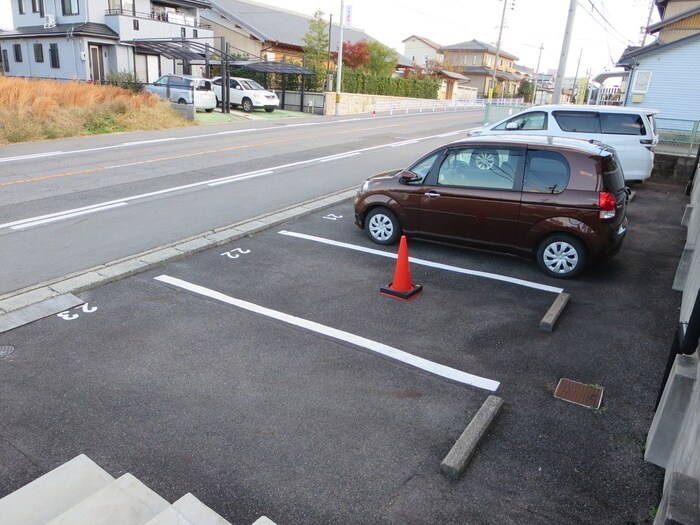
248	94
631	131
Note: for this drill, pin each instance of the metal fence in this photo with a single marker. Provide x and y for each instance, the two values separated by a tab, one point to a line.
428	105
678	137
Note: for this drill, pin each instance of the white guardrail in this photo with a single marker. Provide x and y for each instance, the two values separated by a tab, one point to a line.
420	106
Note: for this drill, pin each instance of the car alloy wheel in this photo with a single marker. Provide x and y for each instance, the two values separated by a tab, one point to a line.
382	226
484	159
561	256
247	105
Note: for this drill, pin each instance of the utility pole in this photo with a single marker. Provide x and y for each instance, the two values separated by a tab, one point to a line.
564	52
329	83
644	30
498	50
537	73
573	86
340	58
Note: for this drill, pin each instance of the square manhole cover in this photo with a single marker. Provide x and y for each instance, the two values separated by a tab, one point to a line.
579	393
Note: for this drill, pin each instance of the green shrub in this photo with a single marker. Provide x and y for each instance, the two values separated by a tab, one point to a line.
366	83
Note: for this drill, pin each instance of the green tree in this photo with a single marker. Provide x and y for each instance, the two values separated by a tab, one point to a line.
382	59
526	90
316	49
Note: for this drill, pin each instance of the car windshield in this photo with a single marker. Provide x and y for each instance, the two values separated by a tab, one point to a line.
250	84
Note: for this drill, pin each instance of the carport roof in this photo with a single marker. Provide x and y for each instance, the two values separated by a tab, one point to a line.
271	66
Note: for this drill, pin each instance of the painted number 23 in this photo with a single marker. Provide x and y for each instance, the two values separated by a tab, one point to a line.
67	316
235	253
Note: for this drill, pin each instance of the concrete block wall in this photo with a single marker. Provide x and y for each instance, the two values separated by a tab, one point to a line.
673	441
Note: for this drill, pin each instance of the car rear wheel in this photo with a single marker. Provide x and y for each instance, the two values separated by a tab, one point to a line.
209	110
182	101
562	256
247	105
269	110
382	226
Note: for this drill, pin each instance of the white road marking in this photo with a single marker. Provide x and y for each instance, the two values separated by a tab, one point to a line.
341	156
29	224
368	344
430	264
404	143
242	176
212	182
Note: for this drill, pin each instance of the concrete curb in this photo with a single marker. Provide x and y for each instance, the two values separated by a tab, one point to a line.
456	460
121	268
550	318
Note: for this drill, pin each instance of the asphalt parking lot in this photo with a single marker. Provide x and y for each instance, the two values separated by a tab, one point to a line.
217	383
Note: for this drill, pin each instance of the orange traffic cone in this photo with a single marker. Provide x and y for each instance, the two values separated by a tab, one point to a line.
401	287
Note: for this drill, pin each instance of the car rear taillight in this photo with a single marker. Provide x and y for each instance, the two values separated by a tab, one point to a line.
607	203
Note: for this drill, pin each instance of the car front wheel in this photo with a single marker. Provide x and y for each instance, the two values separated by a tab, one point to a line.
382	226
247	105
561	256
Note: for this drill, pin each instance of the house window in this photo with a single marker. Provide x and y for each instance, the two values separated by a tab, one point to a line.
5	61
136	25
38	53
195	33
183	32
53	56
17	49
474	60
466	57
38	7
642	79
490	59
70	7
122	7
20	6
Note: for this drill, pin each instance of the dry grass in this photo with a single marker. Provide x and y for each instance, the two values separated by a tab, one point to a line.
46	109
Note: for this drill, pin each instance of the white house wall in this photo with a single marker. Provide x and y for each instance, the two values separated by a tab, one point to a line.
674	81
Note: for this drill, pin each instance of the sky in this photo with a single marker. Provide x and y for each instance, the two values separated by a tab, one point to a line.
528	24
602	28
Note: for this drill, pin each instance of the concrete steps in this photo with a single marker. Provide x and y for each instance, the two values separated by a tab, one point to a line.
79	492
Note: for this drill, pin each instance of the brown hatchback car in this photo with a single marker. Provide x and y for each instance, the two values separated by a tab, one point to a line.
561	201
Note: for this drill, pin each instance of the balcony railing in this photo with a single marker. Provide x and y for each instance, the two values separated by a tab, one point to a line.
161	16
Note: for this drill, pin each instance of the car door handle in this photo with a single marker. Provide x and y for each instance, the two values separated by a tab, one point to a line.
432	194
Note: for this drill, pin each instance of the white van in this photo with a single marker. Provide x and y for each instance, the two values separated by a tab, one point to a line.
631	131
185	89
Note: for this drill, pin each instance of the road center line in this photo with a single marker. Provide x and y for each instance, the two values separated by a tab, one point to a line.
368	344
430	264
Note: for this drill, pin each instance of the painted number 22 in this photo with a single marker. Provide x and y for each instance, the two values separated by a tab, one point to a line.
67	316
235	253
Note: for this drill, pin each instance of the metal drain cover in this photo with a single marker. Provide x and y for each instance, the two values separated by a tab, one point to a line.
6	350
579	393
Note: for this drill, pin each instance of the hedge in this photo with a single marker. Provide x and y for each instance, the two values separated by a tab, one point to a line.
368	84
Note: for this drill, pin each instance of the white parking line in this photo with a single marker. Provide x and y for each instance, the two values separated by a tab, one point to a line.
368	344
431	264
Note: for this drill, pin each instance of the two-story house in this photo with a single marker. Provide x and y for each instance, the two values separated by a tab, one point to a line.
664	75
87	39
422	51
476	60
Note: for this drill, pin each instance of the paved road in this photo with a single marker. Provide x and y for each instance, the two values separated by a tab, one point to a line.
74	204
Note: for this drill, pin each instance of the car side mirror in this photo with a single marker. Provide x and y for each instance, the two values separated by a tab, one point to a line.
408	178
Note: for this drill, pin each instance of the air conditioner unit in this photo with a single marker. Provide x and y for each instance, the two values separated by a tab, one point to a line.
49	21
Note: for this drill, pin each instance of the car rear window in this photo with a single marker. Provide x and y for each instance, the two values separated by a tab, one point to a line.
577	121
613	178
546	172
622	124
